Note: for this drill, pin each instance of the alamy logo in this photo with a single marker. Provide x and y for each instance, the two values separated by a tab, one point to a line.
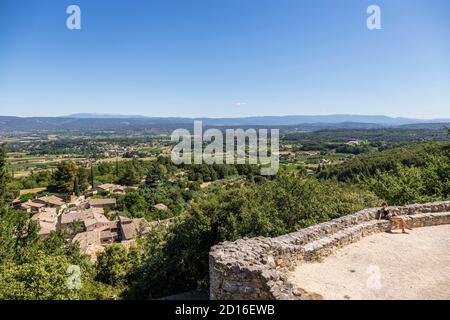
374	20
73	22
374	280
234	151
73	277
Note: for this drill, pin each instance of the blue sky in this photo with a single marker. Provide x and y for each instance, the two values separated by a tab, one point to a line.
225	58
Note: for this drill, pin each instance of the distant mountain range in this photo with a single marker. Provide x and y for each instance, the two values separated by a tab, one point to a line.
98	122
102	116
271	120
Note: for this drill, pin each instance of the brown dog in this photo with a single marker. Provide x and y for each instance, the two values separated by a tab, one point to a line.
395	220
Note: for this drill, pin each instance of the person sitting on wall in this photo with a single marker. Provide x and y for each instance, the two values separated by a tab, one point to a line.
395	219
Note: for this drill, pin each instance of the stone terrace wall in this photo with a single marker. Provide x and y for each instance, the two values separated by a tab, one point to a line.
254	268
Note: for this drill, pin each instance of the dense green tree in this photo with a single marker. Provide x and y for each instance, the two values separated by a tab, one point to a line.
132	173
49	277
75	227
44	279
156	173
134	202
34	180
64	176
371	164
104	168
405	185
113	265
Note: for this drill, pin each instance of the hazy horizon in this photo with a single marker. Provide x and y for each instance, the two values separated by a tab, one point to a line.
112	115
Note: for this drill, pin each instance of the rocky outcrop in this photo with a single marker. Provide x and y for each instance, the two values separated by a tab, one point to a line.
255	268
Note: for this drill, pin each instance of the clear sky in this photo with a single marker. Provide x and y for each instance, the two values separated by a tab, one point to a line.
229	58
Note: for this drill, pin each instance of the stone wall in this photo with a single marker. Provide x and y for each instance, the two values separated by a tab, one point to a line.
255	268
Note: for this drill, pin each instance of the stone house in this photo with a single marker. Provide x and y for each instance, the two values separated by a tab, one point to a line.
31	206
112	188
91	219
47	219
130	228
101	203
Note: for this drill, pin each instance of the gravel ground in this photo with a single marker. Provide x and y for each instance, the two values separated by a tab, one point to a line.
384	266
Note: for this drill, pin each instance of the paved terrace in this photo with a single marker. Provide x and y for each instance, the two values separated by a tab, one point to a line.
383	266
310	263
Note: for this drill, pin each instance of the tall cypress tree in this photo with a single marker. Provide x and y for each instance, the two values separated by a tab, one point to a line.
76	187
4	178
92	176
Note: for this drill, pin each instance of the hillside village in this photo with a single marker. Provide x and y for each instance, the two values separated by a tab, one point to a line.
83	219
203	205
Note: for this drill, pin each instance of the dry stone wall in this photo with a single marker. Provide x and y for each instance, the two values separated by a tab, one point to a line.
255	268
